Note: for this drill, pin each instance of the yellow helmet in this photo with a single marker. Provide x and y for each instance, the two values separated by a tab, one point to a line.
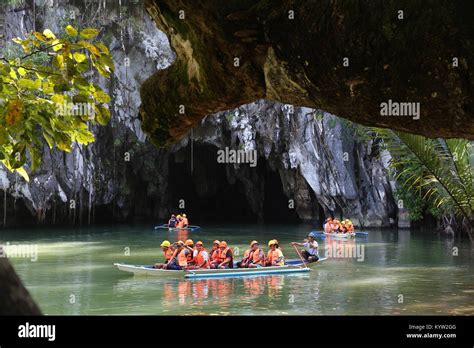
253	242
189	242
166	243
184	215
271	242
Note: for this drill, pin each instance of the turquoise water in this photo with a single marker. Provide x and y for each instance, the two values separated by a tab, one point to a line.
390	272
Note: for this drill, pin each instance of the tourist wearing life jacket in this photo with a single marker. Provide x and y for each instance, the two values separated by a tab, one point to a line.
172	221
189	246
225	258
310	252
245	259
180	223
178	260
275	256
257	256
167	253
328	225
185	220
201	257
214	253
337	227
349	226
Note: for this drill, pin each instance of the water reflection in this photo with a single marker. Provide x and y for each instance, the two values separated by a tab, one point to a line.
219	292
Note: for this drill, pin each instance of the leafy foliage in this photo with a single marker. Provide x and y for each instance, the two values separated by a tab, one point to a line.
437	171
52	101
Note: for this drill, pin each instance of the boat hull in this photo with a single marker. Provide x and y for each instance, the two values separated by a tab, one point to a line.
340	235
175	229
292	266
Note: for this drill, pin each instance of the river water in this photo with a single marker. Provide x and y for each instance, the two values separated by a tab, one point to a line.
386	272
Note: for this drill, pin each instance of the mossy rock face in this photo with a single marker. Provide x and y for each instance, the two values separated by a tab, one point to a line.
293	52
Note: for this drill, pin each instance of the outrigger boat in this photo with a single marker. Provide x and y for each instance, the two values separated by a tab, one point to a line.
291	266
189	228
340	235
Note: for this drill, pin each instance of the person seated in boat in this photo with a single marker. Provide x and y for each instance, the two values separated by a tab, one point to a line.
337	227
226	257
310	252
172	221
257	256
253	257
275	255
185	220
214	253
345	227
200	257
179	259
245	260
167	253
328	225
189	245
350	226
180	223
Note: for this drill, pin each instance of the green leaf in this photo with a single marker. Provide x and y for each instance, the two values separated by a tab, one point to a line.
4	138
101	96
102	115
84	137
107	62
102	48
29	84
35	158
71	31
49	140
79	57
23	173
57	45
21	71
49	34
90	47
89	33
39	36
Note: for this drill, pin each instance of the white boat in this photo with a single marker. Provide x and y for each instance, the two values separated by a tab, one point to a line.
340	235
291	266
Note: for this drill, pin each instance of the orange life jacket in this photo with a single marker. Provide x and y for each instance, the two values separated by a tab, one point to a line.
214	254
200	259
185	221
247	253
222	256
256	258
273	255
182	258
180	224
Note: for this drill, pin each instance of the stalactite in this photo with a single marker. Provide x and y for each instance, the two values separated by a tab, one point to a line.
54	211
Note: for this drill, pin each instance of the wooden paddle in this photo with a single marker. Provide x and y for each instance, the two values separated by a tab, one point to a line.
301	257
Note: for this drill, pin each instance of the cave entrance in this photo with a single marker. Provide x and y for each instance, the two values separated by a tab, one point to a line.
276	205
207	194
211	192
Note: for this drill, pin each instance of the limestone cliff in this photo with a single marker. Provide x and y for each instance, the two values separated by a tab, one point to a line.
304	155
